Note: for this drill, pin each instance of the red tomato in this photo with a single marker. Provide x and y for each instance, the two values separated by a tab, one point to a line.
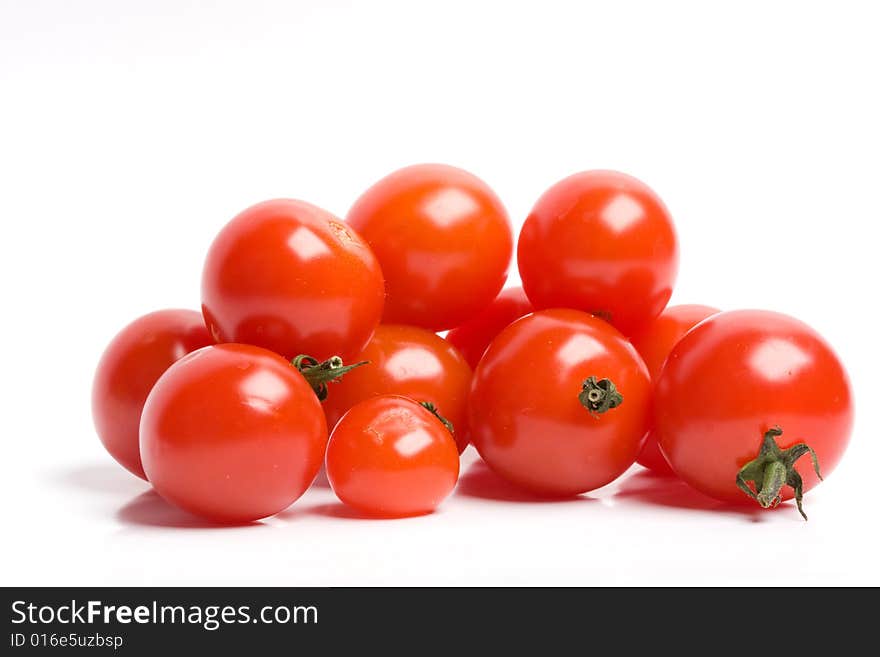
389	456
545	407
411	362
443	240
654	343
601	242
131	364
474	336
291	277
232	433
725	388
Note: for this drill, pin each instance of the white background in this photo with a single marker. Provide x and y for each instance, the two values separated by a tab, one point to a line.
131	131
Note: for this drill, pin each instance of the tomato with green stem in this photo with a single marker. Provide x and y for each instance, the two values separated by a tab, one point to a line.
130	366
742	398
390	456
602	242
443	240
411	362
559	403
232	433
473	337
654	342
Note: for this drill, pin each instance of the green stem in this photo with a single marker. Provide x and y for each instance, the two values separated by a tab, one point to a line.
599	395
774	479
320	373
433	408
774	468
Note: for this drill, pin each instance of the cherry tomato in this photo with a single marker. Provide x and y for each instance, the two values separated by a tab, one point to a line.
444	242
474	336
411	362
129	367
389	456
232	433
742	396
291	277
559	403
601	242
654	343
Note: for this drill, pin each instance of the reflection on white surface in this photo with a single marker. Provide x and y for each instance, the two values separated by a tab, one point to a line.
413	360
621	213
306	244
263	390
449	206
777	359
413	442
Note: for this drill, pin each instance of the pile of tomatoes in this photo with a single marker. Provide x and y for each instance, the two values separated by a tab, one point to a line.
317	343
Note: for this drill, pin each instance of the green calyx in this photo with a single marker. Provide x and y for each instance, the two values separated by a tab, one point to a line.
599	395
772	469
320	373
436	412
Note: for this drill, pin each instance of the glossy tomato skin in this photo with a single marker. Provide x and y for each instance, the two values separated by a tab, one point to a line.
389	456
733	377
290	277
654	342
232	433
602	242
443	240
525	416
411	362
127	371
474	336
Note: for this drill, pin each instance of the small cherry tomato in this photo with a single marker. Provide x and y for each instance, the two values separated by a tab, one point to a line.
232	433
411	362
742	397
443	240
291	277
654	343
474	336
601	242
129	368
389	456
559	403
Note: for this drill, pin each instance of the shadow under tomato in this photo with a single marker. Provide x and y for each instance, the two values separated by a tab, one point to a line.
150	510
479	481
105	478
340	510
648	487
